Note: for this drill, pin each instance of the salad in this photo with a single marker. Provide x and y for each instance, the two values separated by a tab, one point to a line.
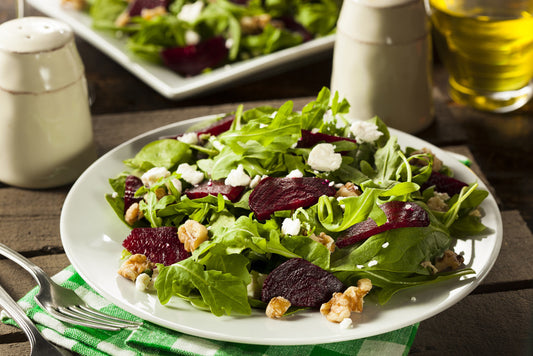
194	36
286	210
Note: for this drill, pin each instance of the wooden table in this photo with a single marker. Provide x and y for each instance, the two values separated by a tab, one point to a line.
495	319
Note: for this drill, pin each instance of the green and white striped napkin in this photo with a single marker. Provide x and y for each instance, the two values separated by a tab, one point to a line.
151	339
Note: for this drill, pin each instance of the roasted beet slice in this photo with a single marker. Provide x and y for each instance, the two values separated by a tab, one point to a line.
214	187
159	244
132	183
302	283
310	139
444	184
136	6
274	194
218	126
193	59
399	214
291	24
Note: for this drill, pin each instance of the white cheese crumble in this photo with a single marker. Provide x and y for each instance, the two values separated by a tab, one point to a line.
290	226
192	37
385	245
255	181
365	131
238	177
372	263
190	12
177	184
190	174
346	323
323	158
151	176
142	282
295	173
190	138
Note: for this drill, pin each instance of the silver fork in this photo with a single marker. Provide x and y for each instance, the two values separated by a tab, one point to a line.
39	345
64	304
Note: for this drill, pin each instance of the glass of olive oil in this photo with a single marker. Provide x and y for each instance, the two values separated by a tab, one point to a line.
487	47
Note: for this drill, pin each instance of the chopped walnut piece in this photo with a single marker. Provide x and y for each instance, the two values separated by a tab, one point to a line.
74	4
149	14
123	19
134	266
192	234
277	307
133	214
348	190
437	163
438	202
450	260
428	264
254	24
341	305
325	240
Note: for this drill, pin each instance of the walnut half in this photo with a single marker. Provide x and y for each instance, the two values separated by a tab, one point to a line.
341	305
277	307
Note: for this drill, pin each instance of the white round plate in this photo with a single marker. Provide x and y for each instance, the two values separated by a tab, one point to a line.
92	235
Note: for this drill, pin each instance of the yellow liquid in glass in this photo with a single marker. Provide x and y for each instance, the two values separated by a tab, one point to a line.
486	51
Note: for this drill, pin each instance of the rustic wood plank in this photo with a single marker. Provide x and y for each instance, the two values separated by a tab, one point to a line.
488	324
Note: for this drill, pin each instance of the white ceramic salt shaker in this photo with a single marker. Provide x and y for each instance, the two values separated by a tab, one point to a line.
46	137
382	62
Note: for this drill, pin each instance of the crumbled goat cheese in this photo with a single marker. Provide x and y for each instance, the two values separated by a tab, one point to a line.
256	284
290	226
190	138
177	184
295	173
192	37
237	177
346	323
190	174
142	282
190	12
255	181
323	158
151	176
365	131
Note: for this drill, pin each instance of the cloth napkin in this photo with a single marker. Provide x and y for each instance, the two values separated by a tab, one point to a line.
151	339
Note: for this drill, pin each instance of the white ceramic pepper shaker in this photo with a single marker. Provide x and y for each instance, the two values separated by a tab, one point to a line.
46	137
382	62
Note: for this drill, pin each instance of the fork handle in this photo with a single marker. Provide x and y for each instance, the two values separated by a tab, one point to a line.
36	272
38	343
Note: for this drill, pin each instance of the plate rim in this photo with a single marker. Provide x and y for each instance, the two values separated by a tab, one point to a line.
462	290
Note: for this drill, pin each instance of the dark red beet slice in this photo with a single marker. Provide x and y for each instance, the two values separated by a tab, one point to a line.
136	6
218	127
132	183
193	59
399	214
310	139
302	283
214	187
291	24
444	184
274	194
159	244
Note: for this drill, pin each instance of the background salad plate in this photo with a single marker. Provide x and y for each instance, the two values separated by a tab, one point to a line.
92	235
167	82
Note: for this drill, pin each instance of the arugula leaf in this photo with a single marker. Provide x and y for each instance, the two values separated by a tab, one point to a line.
222	292
162	153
